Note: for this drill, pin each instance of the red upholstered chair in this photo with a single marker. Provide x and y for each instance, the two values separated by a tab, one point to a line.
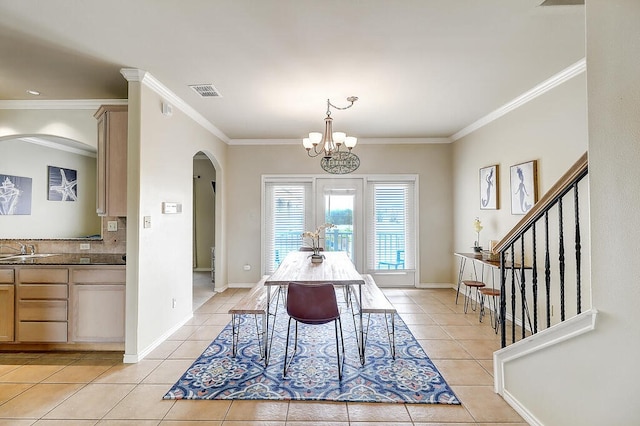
313	304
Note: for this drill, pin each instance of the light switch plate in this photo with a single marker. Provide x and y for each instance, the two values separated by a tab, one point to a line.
147	222
112	225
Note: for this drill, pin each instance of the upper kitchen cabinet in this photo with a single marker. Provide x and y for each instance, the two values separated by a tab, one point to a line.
111	173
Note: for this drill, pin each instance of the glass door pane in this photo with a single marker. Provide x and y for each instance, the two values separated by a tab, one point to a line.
339	201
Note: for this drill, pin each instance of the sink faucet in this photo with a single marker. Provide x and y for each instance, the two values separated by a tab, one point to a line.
32	249
23	248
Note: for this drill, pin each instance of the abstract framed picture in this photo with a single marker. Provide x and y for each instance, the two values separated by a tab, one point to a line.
489	188
15	195
63	184
524	187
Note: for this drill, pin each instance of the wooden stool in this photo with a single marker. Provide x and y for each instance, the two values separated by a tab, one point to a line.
494	315
468	300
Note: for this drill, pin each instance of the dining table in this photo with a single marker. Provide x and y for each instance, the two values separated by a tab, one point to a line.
336	268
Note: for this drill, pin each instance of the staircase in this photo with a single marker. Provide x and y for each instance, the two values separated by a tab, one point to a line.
544	276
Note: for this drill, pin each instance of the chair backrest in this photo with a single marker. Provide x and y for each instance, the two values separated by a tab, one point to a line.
312	303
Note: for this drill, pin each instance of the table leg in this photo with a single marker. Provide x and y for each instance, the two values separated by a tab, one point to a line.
463	261
361	348
265	334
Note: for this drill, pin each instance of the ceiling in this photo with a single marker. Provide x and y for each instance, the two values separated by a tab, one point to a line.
421	68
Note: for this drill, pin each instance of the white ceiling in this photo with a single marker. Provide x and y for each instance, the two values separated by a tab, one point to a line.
421	68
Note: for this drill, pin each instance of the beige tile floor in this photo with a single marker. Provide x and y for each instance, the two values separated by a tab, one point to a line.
97	389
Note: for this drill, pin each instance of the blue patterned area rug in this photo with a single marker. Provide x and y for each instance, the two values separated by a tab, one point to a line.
313	373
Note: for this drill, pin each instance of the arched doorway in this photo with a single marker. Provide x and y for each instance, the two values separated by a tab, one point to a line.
204	199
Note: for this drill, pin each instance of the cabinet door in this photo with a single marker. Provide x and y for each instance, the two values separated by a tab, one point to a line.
111	195
7	293
98	313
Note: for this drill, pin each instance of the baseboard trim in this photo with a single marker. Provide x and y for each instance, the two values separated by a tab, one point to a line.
435	285
134	358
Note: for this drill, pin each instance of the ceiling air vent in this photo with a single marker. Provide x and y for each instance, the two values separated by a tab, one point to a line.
206	90
562	3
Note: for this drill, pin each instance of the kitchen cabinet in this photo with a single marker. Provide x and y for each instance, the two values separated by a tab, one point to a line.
111	196
98	304
42	304
61	305
7	301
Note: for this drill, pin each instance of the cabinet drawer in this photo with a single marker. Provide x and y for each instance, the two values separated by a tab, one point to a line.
42	331
37	275
6	276
42	291
42	310
100	276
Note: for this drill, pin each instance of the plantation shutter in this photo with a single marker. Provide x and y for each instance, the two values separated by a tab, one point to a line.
391	230
286	216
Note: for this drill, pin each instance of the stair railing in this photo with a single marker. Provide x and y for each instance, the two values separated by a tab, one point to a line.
521	264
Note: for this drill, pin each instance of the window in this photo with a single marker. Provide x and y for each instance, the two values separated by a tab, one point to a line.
286	214
391	225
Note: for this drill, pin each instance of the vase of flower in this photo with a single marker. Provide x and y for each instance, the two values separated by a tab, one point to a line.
477	226
314	237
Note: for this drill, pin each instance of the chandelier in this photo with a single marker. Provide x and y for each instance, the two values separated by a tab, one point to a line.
328	144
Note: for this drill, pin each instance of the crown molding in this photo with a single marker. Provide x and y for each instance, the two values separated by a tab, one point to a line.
365	141
136	75
60	144
542	88
90	104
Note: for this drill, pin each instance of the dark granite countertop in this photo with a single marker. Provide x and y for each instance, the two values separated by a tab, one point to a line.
68	259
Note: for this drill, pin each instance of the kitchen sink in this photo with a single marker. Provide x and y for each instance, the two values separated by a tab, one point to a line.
14	257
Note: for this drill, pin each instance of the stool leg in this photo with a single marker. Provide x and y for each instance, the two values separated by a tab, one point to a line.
482	307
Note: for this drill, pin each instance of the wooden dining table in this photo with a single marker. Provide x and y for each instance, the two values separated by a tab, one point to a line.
336	268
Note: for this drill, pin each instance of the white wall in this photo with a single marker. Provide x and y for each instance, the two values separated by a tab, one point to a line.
593	380
551	129
75	124
160	168
431	162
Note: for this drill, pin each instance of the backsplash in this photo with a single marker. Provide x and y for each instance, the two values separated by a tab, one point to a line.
112	242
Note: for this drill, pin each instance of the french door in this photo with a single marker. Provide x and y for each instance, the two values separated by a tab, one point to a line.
375	220
340	202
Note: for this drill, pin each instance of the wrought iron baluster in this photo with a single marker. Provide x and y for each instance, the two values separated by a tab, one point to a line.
578	248
513	293
534	280
561	258
503	299
547	267
523	291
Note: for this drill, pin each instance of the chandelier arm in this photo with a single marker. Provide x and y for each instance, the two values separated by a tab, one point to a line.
351	99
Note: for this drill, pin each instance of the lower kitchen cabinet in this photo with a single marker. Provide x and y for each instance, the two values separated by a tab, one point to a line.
42	312
98	304
7	314
79	304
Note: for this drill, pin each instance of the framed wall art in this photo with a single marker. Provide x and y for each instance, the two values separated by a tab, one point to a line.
63	184
524	187
489	188
15	195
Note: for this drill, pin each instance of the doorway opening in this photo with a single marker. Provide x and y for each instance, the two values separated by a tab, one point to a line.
204	202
